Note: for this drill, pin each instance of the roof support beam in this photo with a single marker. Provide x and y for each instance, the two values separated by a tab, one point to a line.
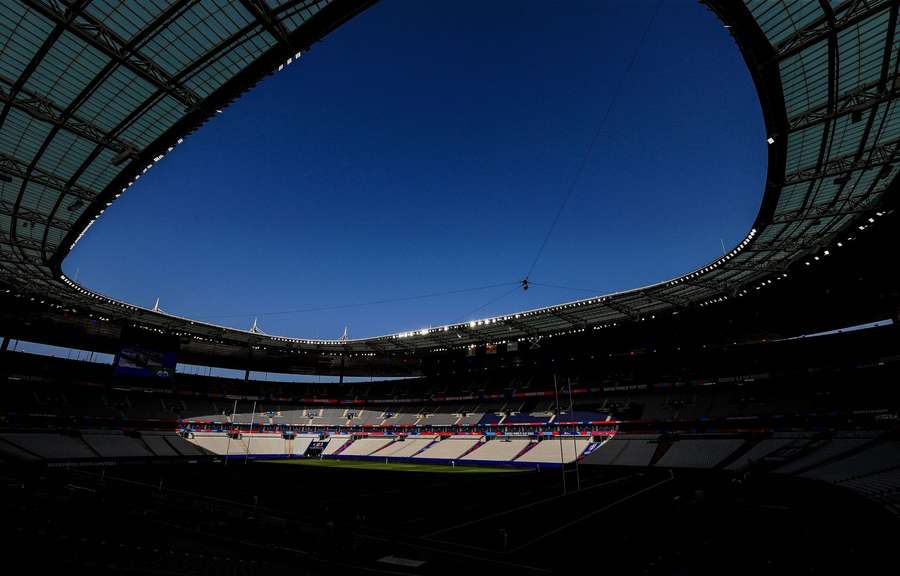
676	301
266	18
764	267
878	155
573	320
714	286
25	241
148	31
862	205
845	15
42	108
18	169
522	327
861	99
92	31
621	308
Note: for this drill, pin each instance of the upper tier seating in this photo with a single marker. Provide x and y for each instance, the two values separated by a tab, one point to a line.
367	417
471	417
331	417
403	416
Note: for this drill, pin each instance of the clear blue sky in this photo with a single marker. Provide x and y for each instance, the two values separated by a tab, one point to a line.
425	147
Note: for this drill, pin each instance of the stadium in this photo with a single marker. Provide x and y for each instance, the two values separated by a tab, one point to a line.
739	417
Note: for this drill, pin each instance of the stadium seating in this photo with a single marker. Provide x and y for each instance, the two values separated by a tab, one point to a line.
871	460
699	452
265	444
335	443
403	416
330	417
186	448
157	444
450	448
366	446
626	450
405	448
822	450
471	416
217	443
50	446
366	417
498	450
764	448
555	450
113	444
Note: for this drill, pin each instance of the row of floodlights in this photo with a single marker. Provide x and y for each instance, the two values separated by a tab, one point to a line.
122	191
599	300
737	250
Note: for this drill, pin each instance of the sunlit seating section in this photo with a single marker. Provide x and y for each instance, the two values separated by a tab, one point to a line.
365	446
498	450
217	443
450	448
300	444
265	444
555	450
335	443
405	448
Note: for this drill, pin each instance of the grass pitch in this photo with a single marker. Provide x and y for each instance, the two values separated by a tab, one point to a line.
396	466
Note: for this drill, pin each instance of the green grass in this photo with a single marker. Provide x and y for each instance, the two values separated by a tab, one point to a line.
396	466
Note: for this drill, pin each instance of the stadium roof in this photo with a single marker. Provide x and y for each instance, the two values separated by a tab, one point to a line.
95	92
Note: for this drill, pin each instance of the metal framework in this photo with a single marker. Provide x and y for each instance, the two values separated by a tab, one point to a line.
94	92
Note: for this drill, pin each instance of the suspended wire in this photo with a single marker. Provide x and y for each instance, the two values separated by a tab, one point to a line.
516	284
584	159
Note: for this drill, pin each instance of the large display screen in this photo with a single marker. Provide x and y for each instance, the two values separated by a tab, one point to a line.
137	360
